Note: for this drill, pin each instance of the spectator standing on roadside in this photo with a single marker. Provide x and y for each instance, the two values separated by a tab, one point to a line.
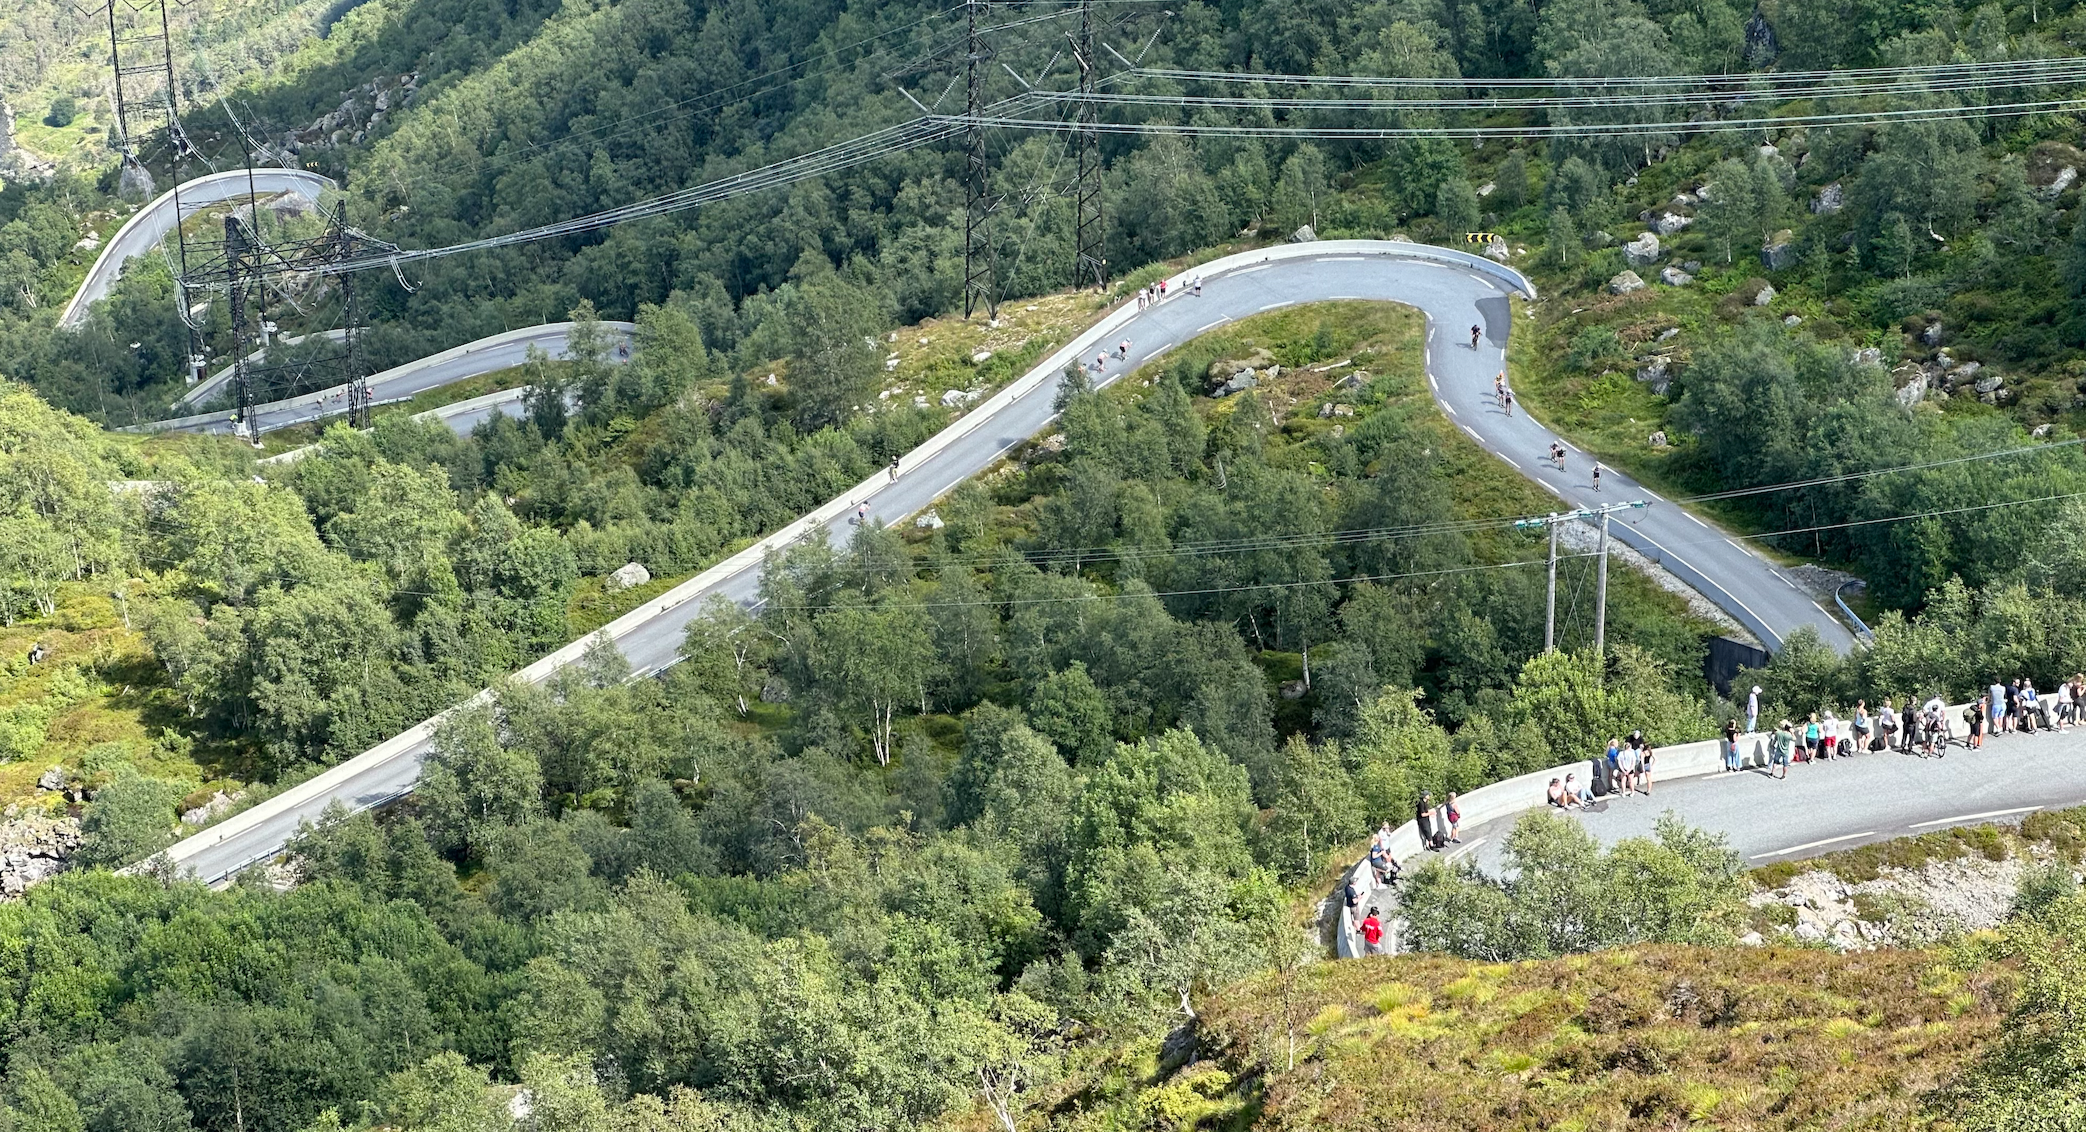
1811	732
2012	692
1644	768
1626	770
1861	726
1753	710
1731	746
1915	730
1614	757
1887	725
1829	742
1423	817
1995	706
2062	712
1455	817
1975	717
1779	745
1372	933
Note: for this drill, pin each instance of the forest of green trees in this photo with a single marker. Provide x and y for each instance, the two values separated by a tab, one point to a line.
952	802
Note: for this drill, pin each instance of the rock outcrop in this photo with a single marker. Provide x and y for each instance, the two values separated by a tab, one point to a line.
34	847
1642	251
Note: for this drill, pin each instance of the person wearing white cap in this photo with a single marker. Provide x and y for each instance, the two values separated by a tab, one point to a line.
1753	710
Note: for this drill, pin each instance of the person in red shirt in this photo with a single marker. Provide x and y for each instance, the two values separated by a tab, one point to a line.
1372	933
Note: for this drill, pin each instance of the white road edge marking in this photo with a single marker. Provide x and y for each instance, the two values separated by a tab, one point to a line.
1213	325
1448	408
1697	522
1974	817
1510	461
1473	434
1277	306
1467	848
1785	580
1738	546
1156	353
1666	553
1810	845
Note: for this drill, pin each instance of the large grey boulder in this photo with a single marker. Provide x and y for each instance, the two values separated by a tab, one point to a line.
1303	235
1766	296
1830	199
628	576
1914	391
1642	251
1625	282
1668	223
1656	372
2056	187
1779	252
1675	277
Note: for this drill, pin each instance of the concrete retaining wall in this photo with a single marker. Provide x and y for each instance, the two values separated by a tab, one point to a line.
1531	791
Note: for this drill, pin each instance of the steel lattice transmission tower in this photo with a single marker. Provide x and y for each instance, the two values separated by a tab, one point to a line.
145	97
980	269
244	271
1089	263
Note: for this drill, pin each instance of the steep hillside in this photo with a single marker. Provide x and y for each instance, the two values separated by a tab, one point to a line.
54	62
1642	1038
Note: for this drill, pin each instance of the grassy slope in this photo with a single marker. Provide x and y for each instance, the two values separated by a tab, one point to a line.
252	36
1650	1037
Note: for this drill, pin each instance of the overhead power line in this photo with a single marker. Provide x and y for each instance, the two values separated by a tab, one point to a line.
1621	97
1556	129
1819	81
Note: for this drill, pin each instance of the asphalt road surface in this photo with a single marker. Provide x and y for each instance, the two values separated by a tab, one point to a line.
1452	297
150	224
1843	803
487	355
204	389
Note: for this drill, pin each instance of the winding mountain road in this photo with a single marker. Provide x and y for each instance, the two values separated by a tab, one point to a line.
1453	289
150	224
472	359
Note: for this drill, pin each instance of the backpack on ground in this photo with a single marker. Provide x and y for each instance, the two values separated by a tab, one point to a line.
1877	744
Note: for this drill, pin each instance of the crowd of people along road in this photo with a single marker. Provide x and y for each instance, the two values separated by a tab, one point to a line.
1625	768
1922	729
1440	825
1622	770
